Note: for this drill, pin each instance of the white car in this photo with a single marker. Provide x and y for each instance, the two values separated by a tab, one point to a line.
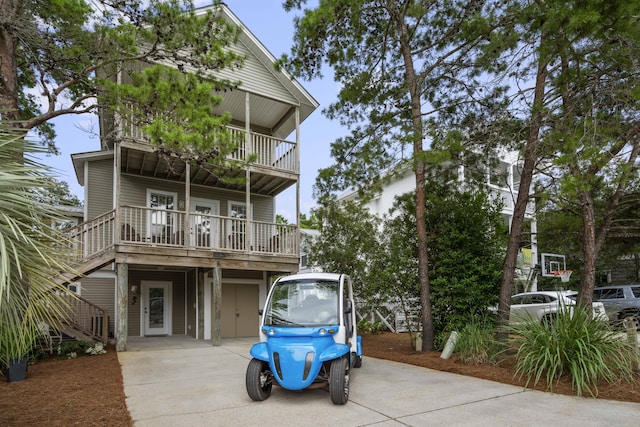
544	305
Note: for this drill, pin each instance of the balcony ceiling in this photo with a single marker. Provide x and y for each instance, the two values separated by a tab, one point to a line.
150	164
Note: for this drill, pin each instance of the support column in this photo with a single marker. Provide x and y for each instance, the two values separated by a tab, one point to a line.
249	151
122	309
216	307
186	231
297	234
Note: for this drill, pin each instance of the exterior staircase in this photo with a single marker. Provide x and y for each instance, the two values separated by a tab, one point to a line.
91	248
85	321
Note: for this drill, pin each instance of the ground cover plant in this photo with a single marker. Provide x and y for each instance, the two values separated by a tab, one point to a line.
575	345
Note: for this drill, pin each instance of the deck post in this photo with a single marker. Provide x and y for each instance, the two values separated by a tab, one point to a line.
122	292
216	307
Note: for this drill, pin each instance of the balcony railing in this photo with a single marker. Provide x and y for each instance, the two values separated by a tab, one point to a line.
508	200
271	152
179	229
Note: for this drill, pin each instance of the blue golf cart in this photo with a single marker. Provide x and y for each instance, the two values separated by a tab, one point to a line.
308	337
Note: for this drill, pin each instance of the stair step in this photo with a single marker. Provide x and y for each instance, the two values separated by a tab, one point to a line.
76	334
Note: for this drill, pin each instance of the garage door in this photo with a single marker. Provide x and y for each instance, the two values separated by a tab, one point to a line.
239	310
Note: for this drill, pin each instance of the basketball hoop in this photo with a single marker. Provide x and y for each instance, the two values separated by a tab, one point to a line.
563	274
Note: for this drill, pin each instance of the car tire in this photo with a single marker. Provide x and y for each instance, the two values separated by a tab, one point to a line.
548	320
633	318
259	380
339	381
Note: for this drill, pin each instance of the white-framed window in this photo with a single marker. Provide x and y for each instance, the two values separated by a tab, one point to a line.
205	226
236	228
161	225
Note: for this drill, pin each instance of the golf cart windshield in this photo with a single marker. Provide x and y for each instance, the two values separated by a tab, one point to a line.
303	303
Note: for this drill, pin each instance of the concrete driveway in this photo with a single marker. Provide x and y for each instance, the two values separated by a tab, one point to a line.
177	381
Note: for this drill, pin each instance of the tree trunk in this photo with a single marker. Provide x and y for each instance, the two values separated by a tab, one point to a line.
421	225
593	237
530	158
589	250
9	10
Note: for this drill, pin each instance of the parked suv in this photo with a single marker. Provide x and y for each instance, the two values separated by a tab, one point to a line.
620	302
545	305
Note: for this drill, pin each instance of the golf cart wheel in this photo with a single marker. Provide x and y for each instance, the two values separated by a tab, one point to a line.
339	381
259	380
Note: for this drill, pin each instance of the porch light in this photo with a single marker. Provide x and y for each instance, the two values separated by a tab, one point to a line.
134	289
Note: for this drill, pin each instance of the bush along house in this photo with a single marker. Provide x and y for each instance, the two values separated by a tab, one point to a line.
166	246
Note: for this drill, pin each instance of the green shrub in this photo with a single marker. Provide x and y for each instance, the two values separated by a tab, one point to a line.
67	349
372	328
476	343
586	349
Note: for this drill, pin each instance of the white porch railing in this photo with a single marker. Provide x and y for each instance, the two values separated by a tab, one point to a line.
271	152
91	237
508	200
170	228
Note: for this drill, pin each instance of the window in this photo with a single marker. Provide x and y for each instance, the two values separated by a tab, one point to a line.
75	287
499	174
609	293
237	225
161	224
522	299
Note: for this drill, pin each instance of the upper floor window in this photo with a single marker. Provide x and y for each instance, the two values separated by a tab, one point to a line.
161	224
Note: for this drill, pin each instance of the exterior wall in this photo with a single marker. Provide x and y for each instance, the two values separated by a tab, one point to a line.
133	192
254	77
101	292
99	188
191	303
307	237
178	306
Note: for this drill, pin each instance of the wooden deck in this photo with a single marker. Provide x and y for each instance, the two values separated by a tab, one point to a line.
140	235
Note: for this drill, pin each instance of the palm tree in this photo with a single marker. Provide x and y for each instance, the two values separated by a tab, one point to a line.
32	250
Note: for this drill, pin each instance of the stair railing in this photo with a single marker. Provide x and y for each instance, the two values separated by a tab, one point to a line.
88	318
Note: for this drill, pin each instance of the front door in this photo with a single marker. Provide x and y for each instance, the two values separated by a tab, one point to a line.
156	303
240	316
205	224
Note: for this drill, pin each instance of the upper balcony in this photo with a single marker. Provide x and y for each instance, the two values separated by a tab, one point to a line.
274	169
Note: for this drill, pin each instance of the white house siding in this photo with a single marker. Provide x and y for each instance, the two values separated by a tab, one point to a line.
99	188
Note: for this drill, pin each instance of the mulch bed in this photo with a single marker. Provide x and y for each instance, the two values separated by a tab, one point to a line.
86	391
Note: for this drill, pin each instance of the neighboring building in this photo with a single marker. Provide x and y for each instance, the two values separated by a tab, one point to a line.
168	249
307	236
502	181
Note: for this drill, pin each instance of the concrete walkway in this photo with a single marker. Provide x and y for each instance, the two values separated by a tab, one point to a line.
178	381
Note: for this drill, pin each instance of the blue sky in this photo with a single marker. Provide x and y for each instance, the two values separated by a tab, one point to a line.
268	21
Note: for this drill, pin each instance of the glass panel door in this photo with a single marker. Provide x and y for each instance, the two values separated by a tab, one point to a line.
205	227
156	308
161	223
237	229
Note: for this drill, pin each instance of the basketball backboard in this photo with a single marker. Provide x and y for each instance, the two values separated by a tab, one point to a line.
552	262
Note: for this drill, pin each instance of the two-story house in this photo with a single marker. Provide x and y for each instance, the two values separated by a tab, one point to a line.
168	248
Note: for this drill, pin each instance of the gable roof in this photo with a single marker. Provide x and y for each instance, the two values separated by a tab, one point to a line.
274	92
